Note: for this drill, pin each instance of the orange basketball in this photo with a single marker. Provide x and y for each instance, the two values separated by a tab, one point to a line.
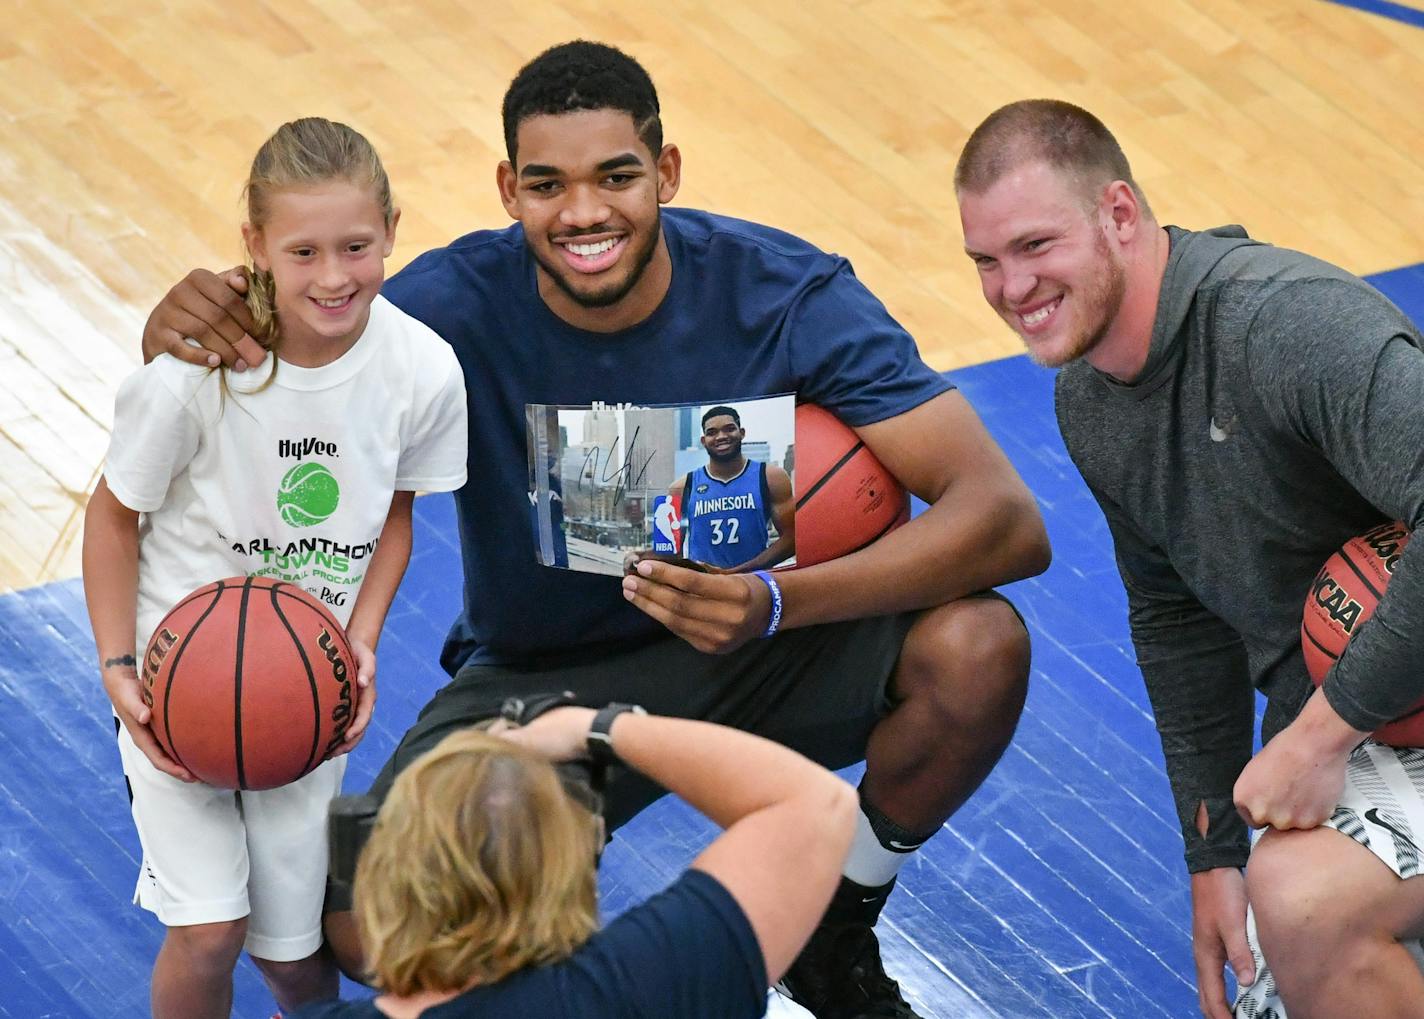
1342	596
845	497
250	681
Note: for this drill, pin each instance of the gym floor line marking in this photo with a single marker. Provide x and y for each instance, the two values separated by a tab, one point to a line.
1386	9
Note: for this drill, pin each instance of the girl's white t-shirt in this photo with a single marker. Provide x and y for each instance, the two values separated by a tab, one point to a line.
293	481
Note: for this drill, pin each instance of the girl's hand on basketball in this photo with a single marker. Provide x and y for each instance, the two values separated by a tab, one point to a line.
122	686
715	614
365	697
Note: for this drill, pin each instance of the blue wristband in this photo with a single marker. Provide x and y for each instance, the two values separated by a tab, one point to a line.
774	623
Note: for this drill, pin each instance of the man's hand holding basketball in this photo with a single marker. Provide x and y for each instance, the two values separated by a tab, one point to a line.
1297	778
121	683
365	697
715	614
208	307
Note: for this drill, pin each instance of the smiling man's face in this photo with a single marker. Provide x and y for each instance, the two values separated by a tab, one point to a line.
722	438
587	192
1044	261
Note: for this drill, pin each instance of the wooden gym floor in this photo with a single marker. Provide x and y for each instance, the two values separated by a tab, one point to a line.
1057	890
125	132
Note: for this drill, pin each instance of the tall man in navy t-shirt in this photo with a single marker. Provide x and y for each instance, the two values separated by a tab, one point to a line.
727	504
893	654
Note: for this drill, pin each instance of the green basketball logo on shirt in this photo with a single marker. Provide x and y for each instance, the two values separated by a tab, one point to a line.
308	495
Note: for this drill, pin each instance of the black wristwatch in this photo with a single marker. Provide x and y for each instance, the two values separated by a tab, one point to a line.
600	741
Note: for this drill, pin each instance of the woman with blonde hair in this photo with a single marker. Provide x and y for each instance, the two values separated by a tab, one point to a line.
475	895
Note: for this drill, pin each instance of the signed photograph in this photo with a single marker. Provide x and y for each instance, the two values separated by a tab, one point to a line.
708	484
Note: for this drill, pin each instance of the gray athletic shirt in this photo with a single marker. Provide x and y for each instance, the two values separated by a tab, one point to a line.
1280	412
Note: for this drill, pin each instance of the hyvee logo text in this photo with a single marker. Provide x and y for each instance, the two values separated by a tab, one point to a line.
299	448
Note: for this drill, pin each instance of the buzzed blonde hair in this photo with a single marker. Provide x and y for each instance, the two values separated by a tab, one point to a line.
300	154
480	865
1066	137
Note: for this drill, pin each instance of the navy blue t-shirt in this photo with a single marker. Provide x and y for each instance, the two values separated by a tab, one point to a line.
687	952
751	311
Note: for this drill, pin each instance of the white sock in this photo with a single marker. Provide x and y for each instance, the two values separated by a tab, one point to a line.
870	863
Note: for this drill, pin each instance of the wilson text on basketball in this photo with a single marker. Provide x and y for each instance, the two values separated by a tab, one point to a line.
158	649
341	713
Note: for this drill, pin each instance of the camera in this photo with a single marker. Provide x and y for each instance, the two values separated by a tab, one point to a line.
351	819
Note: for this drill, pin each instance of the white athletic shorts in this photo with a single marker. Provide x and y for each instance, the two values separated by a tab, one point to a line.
211	855
1382	809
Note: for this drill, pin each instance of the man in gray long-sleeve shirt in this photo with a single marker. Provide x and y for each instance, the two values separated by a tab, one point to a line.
1238	411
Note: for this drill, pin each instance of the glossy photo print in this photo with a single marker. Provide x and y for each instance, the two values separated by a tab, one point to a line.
707	485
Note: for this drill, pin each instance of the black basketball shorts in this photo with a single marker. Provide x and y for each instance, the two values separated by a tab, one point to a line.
819	690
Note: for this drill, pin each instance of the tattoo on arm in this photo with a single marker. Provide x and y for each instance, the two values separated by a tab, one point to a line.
128	660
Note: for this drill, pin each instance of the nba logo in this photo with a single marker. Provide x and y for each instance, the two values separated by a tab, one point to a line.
665	525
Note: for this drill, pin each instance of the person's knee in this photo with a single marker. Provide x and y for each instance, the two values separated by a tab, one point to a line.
1311	894
299	982
294	972
209	946
343	938
1274	887
968	662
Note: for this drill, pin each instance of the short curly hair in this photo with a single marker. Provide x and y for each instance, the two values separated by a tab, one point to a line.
583	75
722	411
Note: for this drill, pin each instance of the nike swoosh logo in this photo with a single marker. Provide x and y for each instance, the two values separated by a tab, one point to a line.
903	847
1217	435
1373	816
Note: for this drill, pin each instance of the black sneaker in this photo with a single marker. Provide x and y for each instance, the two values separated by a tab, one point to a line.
838	975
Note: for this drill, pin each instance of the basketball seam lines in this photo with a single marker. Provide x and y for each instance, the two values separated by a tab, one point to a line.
192	597
309	602
311	678
829	474
173	670
880	534
237	685
1408	714
1319	646
338	631
1363	579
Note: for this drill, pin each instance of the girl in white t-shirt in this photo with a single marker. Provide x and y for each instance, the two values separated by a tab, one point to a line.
193	491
